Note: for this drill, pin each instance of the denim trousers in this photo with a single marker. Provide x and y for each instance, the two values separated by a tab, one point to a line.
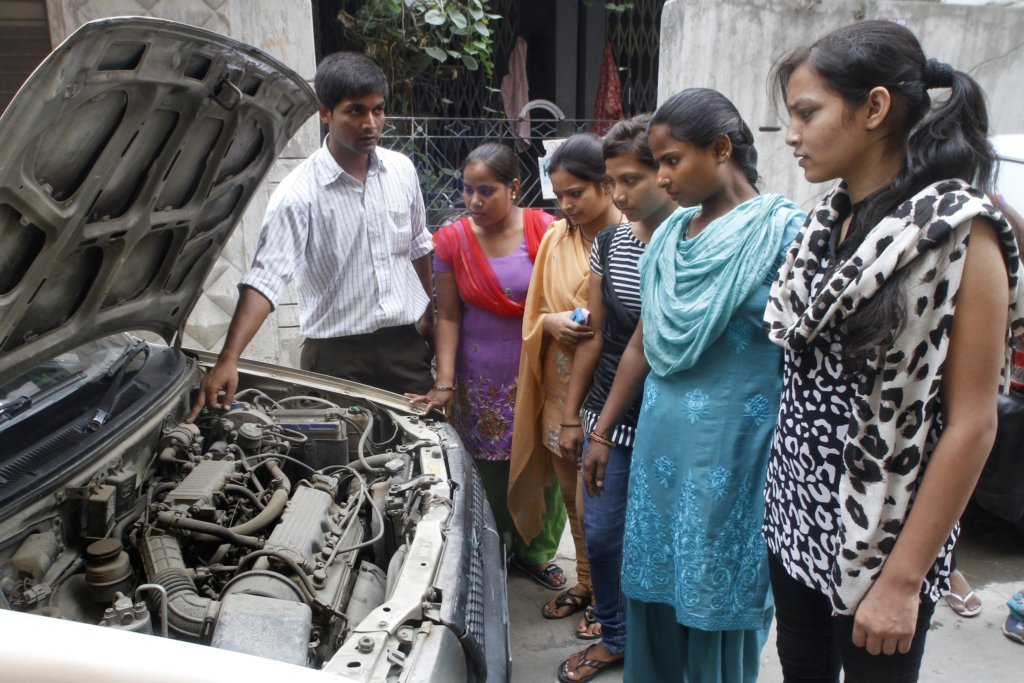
604	520
814	644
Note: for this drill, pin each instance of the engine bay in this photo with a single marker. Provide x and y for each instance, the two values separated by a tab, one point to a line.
303	526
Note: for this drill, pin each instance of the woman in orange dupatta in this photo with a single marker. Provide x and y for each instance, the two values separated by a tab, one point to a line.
559	284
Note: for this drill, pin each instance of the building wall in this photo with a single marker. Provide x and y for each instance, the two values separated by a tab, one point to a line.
731	45
283	29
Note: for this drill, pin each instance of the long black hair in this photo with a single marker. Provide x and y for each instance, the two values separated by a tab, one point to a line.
949	142
499	159
580	155
629	138
700	116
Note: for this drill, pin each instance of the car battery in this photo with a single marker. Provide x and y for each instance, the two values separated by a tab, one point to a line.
327	434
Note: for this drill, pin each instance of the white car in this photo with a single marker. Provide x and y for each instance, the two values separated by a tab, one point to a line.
1000	489
1010	177
319	529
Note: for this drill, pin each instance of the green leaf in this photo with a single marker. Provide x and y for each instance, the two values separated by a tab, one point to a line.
476	12
458	18
482	29
470	62
434	17
436	52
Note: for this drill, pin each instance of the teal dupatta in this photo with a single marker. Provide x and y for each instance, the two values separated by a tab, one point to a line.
690	288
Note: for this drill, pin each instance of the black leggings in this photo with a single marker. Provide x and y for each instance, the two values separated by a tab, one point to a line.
814	645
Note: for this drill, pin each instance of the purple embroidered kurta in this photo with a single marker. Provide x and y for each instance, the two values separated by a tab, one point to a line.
487	362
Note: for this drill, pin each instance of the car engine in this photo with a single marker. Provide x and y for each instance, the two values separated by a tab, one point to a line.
275	528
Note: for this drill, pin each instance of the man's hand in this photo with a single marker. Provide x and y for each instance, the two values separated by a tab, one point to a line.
222	378
425	325
252	309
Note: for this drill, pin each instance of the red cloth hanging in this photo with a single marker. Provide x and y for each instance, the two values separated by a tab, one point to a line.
608	105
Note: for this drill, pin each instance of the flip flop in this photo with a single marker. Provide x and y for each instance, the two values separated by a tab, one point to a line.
589	619
1013	627
1016	603
547	576
565	599
597	665
960	607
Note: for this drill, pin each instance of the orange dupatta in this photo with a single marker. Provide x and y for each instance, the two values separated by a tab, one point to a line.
561	276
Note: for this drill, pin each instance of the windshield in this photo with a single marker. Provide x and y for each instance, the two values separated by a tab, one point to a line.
52	379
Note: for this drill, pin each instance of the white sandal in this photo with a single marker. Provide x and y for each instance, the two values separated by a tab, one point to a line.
962	609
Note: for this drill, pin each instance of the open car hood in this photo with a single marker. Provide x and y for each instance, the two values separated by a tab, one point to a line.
126	160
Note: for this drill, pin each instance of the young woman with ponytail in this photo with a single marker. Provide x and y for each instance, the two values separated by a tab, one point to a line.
893	307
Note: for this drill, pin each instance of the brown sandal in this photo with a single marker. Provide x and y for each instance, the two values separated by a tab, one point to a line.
598	665
566	599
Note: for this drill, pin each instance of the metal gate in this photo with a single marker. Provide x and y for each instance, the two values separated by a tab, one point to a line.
437	147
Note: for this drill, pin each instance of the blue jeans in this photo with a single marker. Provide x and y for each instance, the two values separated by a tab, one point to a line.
604	520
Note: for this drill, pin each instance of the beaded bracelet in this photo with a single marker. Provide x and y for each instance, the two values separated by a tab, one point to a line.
442	388
603	440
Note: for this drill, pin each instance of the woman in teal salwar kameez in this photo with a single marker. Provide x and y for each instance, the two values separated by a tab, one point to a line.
694	562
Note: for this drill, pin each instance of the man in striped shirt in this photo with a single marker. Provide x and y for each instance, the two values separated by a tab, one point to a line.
348	226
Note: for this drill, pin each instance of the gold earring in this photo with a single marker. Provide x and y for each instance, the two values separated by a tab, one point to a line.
722	158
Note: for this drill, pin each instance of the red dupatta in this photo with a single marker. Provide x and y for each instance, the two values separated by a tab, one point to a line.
456	243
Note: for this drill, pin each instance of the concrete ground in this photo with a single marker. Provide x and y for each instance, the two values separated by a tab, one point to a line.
991	556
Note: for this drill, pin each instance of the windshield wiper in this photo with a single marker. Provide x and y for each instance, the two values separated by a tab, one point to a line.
116	373
16	406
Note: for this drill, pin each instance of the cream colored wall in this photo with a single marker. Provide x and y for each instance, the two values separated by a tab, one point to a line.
731	45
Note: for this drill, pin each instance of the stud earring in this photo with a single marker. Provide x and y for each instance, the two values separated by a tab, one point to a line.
723	158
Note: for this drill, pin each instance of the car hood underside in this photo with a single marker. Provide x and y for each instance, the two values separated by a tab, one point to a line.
125	162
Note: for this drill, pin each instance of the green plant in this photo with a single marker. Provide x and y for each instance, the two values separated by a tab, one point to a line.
418	42
615	7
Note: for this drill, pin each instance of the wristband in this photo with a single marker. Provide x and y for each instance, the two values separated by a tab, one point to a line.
603	440
571	424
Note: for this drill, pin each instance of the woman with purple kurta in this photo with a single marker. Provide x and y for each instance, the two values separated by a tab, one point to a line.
482	266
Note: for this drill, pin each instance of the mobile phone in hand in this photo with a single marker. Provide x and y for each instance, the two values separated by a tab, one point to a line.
580	316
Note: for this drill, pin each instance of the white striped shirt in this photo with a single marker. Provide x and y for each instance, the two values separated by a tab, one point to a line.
349	246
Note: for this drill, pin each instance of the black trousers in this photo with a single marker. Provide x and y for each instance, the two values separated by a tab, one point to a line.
814	645
393	358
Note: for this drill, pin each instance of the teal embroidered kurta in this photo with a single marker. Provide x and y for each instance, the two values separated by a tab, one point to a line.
696	492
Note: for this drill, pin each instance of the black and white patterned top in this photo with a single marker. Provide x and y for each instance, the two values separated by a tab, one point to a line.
614	257
806	457
852	443
803	515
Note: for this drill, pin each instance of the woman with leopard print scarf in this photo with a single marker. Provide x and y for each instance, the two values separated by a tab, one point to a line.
894	307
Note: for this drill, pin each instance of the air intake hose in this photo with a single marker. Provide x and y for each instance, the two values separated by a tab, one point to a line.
189	614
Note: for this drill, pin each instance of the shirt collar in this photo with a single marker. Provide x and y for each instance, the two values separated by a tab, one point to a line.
328	170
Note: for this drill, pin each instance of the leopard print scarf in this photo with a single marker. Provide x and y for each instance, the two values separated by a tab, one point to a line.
887	446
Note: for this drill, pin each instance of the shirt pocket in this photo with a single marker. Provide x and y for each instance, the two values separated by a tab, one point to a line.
399	231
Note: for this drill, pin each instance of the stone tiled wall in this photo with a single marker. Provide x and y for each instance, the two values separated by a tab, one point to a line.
284	30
